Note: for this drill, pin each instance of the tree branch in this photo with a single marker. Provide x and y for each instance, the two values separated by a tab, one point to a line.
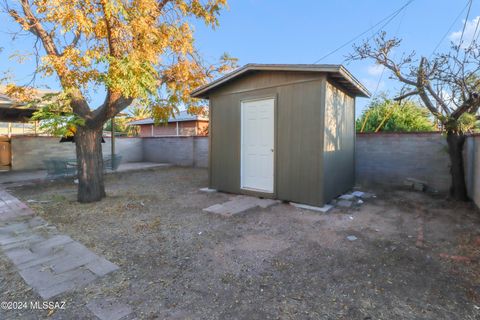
438	99
76	39
471	105
162	4
114	101
406	95
38	29
32	24
422	81
111	107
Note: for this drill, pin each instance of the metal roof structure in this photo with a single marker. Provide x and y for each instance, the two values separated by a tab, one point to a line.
10	111
180	117
337	72
14	111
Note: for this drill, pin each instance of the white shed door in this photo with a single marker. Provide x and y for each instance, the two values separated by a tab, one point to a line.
257	145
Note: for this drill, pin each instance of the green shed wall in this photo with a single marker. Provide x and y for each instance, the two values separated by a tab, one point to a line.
301	169
339	142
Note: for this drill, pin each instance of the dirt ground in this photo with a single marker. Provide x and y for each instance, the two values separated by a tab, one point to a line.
177	262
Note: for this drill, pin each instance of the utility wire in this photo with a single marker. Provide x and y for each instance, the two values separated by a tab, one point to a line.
388	19
463	32
476	29
450	28
465	25
383	70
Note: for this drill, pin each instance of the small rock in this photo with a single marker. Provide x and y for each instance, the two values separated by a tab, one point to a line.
419	187
37	201
347	197
352	238
360	201
456	258
350	217
358	194
344	203
415	184
477	241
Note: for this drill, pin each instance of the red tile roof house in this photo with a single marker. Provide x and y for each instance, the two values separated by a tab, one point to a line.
183	124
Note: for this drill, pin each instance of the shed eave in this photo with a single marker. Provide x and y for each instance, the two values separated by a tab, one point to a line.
360	87
359	90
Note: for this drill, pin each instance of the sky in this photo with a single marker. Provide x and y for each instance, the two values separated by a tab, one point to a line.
303	31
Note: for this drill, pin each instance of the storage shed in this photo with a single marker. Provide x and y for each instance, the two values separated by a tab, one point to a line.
283	131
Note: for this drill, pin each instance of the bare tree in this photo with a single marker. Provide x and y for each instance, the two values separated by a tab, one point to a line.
448	85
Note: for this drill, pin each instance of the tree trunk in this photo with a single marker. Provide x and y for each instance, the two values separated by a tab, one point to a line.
458	189
88	143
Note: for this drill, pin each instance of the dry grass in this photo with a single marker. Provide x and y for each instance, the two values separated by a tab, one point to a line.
275	263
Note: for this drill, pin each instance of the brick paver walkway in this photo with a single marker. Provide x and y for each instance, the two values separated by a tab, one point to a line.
49	262
11	207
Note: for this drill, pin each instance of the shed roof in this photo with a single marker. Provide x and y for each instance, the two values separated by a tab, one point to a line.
337	72
179	117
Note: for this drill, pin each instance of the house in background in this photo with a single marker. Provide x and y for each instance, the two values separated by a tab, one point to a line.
15	118
183	124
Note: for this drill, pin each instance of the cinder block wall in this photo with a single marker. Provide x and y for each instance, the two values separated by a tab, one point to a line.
380	159
177	150
131	149
390	158
200	152
29	152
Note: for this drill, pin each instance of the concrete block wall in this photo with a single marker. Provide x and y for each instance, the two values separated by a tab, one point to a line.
389	158
177	150
380	159
200	152
131	149
29	152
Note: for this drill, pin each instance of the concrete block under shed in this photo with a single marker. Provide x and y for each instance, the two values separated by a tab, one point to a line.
416	184
323	209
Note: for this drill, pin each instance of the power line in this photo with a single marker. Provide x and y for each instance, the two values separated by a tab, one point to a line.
476	29
388	19
450	28
383	70
463	32
465	24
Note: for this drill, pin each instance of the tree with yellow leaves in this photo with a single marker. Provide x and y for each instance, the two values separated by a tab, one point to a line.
139	50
